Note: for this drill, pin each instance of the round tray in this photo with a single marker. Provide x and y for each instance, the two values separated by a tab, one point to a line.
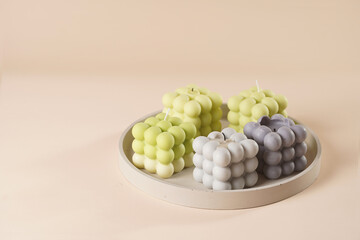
182	189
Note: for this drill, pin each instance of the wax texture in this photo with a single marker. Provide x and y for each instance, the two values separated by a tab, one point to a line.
196	105
163	146
225	160
282	145
252	104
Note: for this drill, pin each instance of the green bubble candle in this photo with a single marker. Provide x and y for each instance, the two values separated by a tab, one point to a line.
252	104
196	105
163	145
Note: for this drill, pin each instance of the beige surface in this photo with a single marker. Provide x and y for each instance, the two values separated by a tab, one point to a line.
76	73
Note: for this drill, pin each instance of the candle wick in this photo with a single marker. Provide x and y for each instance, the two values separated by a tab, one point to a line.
192	89
257	85
167	113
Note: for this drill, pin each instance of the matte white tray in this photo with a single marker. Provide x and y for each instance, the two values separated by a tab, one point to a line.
182	189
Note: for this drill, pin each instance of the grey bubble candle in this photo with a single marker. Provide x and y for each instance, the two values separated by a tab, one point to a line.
281	143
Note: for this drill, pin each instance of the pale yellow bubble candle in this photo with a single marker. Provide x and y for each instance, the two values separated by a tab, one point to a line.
196	105
252	104
163	145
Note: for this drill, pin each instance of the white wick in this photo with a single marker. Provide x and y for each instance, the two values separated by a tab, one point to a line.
167	113
257	85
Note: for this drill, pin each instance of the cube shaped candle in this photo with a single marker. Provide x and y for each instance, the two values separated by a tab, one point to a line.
251	104
163	146
226	160
281	145
196	105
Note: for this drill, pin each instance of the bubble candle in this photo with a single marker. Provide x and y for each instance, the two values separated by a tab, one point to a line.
196	105
281	143
251	104
163	145
226	160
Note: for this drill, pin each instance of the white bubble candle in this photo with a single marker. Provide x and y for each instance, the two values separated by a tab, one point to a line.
225	160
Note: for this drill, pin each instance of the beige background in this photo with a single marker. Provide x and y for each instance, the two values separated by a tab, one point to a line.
75	74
